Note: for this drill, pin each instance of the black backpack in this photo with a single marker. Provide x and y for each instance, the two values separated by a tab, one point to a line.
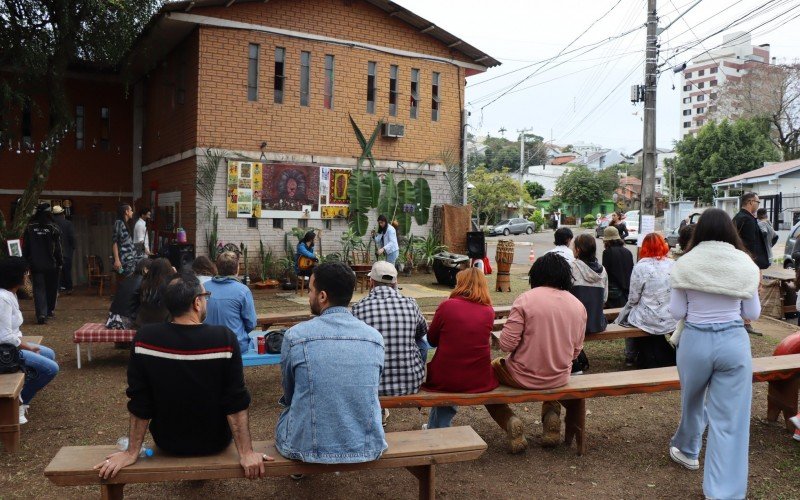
274	340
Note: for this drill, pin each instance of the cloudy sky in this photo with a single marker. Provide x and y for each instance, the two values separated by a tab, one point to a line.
584	94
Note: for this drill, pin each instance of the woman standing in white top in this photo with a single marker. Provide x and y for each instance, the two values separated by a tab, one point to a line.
714	286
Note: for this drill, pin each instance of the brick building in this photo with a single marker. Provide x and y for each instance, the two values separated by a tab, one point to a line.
235	74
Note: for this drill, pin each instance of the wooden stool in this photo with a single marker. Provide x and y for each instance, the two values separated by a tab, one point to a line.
300	285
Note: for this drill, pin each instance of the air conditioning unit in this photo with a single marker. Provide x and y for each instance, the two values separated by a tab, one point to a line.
394	130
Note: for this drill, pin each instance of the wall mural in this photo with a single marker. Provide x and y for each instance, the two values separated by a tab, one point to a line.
286	190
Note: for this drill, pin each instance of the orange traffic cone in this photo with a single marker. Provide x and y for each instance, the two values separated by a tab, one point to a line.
531	256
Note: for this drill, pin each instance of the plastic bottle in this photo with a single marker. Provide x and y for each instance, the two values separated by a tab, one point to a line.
122	445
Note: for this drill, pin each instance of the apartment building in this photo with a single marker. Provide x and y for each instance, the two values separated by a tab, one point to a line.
703	76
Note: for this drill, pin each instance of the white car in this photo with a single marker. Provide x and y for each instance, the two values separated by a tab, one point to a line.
632	223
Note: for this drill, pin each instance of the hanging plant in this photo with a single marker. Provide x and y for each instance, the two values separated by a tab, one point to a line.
423	198
406	200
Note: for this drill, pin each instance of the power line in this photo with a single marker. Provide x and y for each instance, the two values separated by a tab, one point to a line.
556	56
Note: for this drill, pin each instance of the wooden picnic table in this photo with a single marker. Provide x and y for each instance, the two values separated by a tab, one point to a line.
786	278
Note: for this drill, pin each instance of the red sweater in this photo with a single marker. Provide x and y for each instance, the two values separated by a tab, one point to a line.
461	331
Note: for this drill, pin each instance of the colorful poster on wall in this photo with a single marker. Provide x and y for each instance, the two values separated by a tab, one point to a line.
287	187
337	191
334	211
244	189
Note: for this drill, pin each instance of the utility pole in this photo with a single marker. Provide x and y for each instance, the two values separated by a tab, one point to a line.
521	153
649	157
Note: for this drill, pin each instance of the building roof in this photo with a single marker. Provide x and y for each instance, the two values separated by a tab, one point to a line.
162	33
562	159
764	173
630	180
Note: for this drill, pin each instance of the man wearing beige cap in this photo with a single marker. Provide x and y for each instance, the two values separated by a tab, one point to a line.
403	328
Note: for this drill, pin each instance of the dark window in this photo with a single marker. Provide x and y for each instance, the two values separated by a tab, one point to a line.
687	124
687	87
305	77
280	54
701	72
701	85
105	129
392	90
713	96
713	83
687	112
371	86
252	223
712	70
687	100
79	127
329	82
687	75
414	93
435	102
700	111
277	223
27	126
302	223
252	73
701	97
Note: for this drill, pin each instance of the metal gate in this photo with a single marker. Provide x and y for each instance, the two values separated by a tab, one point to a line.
773	205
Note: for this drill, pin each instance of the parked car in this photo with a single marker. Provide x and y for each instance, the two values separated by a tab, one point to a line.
672	236
791	246
632	223
512	226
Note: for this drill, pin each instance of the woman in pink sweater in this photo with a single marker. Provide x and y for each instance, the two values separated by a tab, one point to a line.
543	334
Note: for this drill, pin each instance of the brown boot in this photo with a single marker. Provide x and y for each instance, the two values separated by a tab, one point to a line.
551	424
515	429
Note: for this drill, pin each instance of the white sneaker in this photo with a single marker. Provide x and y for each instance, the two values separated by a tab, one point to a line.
424	427
795	420
679	458
23	409
384	416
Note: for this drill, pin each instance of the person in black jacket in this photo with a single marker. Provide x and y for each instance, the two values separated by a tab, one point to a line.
67	247
185	380
747	226
621	227
618	263
42	250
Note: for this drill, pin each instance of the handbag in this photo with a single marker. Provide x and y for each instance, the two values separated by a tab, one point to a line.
274	340
26	290
10	359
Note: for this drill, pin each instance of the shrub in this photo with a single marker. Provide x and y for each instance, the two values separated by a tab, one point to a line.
588	218
589	225
538	219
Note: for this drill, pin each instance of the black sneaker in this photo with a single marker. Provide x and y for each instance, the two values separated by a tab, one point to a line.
41	320
297	477
51	314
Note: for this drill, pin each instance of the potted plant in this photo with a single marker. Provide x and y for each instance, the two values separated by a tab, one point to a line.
267	261
426	249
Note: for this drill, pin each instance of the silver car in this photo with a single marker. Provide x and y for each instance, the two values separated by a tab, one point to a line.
513	226
791	246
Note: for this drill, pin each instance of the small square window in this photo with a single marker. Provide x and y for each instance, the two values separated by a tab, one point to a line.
252	223
302	223
277	223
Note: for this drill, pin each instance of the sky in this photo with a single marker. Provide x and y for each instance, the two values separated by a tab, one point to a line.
584	95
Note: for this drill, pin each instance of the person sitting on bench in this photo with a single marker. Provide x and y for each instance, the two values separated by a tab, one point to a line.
231	302
331	367
562	239
125	306
185	379
38	360
461	330
544	333
403	327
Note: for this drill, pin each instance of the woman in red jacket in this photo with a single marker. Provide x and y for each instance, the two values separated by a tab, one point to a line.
461	330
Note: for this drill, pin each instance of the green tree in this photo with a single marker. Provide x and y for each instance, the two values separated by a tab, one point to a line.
492	192
500	153
41	40
534	189
584	188
718	151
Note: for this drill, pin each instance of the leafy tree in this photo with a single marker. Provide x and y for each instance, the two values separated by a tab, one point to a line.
534	189
40	40
583	187
492	192
500	153
770	92
718	151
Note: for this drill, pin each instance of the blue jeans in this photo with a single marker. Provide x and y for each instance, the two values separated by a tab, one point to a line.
40	369
392	256
441	416
715	370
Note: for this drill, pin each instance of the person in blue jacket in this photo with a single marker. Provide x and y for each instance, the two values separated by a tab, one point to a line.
305	249
386	240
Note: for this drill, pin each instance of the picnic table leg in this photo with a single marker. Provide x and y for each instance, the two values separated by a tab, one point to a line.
78	352
782	398
575	424
111	491
9	424
89	353
426	475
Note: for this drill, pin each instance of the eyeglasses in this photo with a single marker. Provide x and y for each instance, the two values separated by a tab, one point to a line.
205	295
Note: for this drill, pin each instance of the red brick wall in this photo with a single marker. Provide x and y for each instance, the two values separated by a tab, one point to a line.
179	176
169	126
226	117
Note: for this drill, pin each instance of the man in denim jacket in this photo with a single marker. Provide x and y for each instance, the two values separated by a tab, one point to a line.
331	367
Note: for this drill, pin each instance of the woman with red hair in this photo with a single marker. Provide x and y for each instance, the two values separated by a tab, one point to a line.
648	306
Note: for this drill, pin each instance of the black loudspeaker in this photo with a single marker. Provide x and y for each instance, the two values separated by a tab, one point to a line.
181	255
476	245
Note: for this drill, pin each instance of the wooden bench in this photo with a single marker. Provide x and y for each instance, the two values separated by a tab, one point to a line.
503	312
782	373
612	332
10	388
417	451
97	332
